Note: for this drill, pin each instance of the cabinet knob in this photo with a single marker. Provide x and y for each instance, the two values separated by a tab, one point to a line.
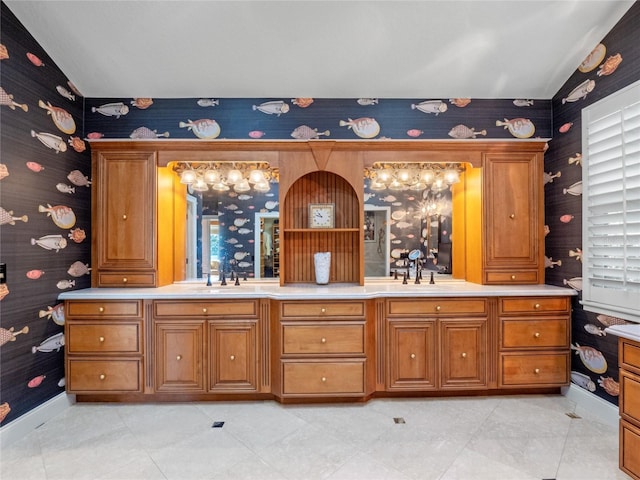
179	357
101	309
413	355
124	217
232	357
323	310
463	354
324	379
536	335
125	280
438	308
536	371
102	376
101	339
204	310
536	306
323	340
513	277
512	216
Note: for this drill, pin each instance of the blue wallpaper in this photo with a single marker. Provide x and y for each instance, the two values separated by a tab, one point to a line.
612	65
45	214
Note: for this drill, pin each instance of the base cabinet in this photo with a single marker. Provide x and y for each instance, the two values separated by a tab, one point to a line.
629	404
179	356
232	356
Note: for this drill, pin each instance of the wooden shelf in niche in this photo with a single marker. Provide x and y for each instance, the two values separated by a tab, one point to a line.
301	242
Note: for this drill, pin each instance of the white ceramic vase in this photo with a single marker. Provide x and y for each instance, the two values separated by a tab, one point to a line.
322	262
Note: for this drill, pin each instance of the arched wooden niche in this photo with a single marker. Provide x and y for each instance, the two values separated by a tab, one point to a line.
301	240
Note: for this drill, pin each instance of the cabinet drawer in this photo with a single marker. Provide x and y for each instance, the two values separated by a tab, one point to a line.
510	277
629	355
223	309
126	279
113	376
519	305
323	339
323	378
535	333
630	395
99	308
629	448
105	337
321	309
534	369
436	306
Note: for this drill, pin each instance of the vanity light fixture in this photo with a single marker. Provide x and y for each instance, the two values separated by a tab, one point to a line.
222	176
413	176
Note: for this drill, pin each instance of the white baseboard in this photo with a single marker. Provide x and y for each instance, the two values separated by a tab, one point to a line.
589	404
28	422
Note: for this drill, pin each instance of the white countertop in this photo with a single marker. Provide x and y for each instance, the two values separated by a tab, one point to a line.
630	331
272	289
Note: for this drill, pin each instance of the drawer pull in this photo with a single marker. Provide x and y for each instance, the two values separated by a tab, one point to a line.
464	355
323	340
125	280
324	379
101	309
413	355
536	306
232	357
536	371
179	357
204	310
102	376
536	335
513	277
323	310
101	339
512	216
438	308
124	217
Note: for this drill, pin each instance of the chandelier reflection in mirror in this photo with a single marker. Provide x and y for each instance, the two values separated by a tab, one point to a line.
223	176
413	176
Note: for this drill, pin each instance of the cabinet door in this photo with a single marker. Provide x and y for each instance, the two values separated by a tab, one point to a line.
512	210
232	356
124	209
411	355
179	356
463	354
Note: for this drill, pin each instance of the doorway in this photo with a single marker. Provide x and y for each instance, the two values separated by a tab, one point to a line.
267	245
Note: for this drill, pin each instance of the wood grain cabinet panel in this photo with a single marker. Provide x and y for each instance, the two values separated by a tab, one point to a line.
105	337
232	356
463	354
323	339
340	378
629	404
179	359
104	376
411	355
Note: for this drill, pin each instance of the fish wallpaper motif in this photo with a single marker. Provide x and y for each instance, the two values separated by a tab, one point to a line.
612	64
45	183
45	217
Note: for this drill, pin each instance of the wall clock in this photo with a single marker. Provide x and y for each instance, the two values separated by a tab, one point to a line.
321	215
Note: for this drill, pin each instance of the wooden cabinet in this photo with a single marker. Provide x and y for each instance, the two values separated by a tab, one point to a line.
436	344
338	182
629	361
104	346
129	190
534	341
504	219
208	346
322	349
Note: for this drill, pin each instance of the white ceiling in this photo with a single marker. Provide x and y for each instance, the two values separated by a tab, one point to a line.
322	49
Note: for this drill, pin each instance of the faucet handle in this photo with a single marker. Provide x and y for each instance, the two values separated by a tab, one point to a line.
404	279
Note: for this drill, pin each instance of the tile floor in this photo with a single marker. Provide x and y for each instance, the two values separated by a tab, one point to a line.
518	438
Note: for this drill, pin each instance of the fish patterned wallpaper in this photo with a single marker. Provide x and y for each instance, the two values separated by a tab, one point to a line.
613	64
45	214
45	182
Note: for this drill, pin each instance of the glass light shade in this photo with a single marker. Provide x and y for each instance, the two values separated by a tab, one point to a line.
396	185
438	184
404	175
427	176
211	175
262	186
221	187
188	176
256	176
234	176
200	185
451	176
242	186
376	186
385	175
418	186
